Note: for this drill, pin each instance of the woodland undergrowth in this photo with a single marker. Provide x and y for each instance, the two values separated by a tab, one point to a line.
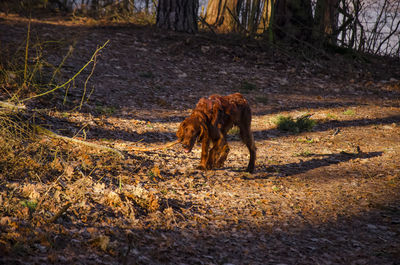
39	166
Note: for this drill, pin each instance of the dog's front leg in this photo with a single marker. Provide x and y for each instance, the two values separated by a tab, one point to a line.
205	144
216	137
218	153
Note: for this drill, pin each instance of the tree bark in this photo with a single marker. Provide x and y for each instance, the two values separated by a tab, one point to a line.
254	15
178	15
326	21
222	15
293	20
265	25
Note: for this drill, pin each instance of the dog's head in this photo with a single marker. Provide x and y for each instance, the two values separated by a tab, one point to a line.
189	130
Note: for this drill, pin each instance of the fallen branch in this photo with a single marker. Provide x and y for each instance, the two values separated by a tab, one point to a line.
41	130
59	213
145	149
11	106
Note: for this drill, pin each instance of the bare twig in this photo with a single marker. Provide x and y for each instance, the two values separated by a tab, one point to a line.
87	79
72	78
26	50
11	106
57	70
59	213
203	21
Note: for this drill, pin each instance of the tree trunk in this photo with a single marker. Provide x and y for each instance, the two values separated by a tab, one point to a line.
265	25
293	20
253	15
256	13
94	8
223	15
326	21
178	15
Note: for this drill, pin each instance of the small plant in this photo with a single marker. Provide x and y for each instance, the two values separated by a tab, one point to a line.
275	188
154	173
304	123
301	124
149	125
306	140
105	110
147	74
262	99
150	174
330	116
285	123
246	86
305	153
30	204
349	112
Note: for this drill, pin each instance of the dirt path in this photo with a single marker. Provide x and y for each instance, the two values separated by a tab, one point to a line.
329	196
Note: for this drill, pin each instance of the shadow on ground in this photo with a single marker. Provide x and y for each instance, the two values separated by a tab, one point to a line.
304	166
367	238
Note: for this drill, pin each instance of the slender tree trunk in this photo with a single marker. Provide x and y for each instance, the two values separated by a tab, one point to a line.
265	25
147	6
222	14
178	15
246	13
354	34
254	16
94	8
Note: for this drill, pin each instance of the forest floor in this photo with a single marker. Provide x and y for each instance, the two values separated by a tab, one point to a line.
328	196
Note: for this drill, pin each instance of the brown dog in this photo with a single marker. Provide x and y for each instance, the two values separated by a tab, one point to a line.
210	121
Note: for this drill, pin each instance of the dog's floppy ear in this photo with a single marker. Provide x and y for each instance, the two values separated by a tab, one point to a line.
179	133
215	119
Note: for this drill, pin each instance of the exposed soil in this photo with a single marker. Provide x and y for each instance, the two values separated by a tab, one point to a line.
329	196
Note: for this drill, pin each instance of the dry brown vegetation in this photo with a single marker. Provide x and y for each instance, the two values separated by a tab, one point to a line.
329	196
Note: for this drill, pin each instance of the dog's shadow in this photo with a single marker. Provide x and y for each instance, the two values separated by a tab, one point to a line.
320	160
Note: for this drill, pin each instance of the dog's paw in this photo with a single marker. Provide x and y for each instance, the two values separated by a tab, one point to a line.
250	169
201	167
210	165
